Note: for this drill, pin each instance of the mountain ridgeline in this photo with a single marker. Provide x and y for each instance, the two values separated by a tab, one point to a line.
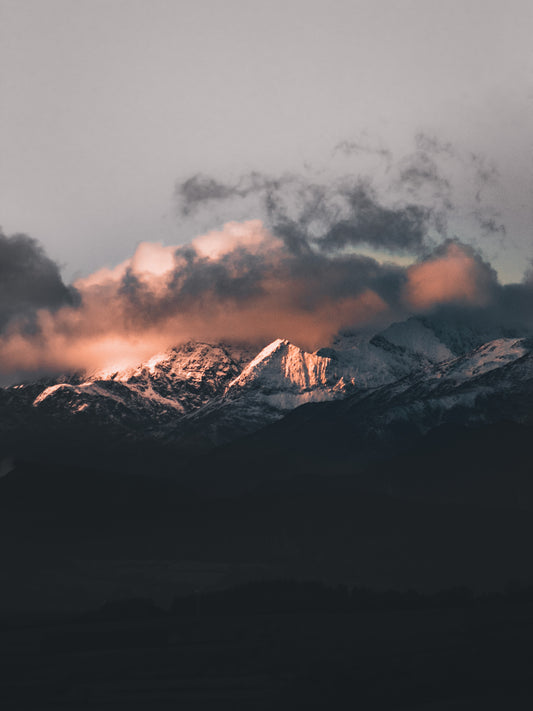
350	405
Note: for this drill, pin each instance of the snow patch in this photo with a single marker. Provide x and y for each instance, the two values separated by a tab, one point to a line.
49	391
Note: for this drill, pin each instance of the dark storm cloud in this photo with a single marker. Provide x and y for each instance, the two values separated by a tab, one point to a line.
29	280
369	223
235	276
515	305
302	281
307	214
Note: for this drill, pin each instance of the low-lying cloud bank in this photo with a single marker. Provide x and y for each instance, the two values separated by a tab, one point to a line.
244	282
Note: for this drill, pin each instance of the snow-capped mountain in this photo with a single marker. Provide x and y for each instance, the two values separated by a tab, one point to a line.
222	390
284	368
201	394
279	379
282	377
490	384
167	386
414	336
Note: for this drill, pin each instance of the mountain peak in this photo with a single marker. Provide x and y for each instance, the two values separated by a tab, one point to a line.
282	365
277	346
191	356
175	381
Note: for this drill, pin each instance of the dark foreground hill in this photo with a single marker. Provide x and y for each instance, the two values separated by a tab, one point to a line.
443	657
456	510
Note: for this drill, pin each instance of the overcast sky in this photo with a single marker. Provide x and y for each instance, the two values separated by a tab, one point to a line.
107	104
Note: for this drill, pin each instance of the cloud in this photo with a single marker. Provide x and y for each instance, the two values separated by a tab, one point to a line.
200	189
514	306
433	145
367	222
29	280
490	224
310	215
238	283
420	170
350	148
486	173
365	197
302	269
250	235
453	274
245	283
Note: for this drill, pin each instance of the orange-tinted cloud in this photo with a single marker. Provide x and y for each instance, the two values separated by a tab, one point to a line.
238	283
456	275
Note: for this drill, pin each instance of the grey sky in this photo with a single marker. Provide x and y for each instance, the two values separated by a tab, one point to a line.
107	103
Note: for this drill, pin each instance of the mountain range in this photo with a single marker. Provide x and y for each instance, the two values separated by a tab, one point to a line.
380	390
